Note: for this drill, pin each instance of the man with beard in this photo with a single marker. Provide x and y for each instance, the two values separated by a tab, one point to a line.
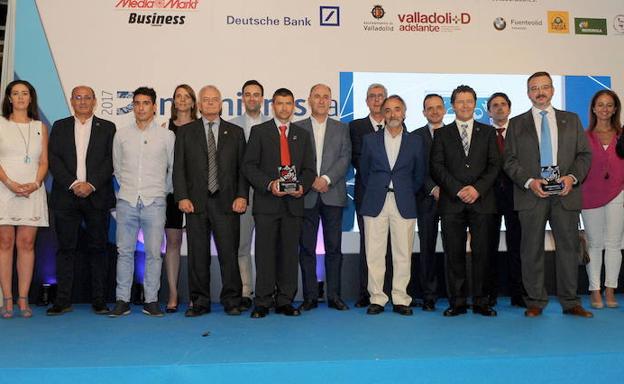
392	170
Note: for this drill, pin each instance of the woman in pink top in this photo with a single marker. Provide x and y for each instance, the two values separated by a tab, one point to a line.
603	199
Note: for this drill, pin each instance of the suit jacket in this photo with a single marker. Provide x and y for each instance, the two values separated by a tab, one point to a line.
334	162
262	160
407	175
99	163
425	136
453	170
522	157
619	147
358	129
190	166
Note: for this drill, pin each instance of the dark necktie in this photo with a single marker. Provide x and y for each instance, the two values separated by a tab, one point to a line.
213	180
379	126
464	138
284	150
500	140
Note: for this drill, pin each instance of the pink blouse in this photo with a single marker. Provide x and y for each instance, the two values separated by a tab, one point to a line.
605	179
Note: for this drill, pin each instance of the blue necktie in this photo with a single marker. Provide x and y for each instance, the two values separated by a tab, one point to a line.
546	156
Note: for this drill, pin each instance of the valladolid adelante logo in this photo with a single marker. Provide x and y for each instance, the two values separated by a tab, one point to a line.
433	21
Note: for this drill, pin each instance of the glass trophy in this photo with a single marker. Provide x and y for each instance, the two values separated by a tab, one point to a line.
552	174
288	179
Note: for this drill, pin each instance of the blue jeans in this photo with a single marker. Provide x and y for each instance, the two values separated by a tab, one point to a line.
151	219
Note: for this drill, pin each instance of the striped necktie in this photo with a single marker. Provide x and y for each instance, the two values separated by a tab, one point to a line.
464	138
213	180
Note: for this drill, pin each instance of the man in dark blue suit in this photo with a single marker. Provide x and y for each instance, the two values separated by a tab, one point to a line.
427	205
465	162
392	170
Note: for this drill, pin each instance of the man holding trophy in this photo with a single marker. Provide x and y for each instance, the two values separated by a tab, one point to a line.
547	156
279	164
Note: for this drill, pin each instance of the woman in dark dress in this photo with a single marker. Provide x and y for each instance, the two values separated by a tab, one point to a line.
183	111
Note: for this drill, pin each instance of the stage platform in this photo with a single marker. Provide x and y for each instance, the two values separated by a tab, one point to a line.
322	346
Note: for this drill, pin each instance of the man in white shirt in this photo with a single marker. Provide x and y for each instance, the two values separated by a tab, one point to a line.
253	100
81	162
143	162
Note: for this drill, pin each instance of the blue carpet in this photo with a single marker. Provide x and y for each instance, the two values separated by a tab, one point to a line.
320	346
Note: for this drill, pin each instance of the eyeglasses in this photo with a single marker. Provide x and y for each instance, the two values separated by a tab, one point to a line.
375	96
544	87
81	97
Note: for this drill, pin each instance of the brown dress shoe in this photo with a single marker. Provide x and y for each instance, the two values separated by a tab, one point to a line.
533	312
577	310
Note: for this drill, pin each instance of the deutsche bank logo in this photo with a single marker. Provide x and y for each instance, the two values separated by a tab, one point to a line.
330	16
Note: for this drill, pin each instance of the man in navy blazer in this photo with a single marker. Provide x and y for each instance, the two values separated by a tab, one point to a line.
393	171
325	200
465	162
81	162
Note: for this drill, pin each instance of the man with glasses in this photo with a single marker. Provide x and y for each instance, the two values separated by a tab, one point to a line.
143	163
540	141
81	162
375	96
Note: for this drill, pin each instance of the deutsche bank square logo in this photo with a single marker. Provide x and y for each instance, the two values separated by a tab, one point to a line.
330	16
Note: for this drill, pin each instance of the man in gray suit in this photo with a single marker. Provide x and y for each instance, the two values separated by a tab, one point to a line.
325	200
540	138
253	100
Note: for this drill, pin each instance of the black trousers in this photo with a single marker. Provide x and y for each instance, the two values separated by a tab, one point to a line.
277	255
225	227
67	223
502	264
425	271
454	237
331	218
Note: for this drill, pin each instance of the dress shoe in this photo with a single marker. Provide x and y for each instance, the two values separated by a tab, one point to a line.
259	312
233	310
455	311
484	310
428	305
171	309
518	301
374	309
338	304
362	302
287	310
245	304
99	307
415	303
492	300
307	305
533	312
577	310
196	311
57	310
402	310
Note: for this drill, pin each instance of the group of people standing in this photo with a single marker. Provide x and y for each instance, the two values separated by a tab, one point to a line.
281	179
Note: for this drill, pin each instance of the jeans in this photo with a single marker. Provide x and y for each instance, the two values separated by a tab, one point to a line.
151	219
604	227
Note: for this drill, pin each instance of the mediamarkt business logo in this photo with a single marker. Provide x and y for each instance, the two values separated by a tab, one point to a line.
433	22
152	17
157	4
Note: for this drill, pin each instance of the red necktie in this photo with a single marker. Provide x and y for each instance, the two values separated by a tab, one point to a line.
284	150
500	140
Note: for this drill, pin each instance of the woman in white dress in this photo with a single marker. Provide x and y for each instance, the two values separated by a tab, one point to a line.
23	205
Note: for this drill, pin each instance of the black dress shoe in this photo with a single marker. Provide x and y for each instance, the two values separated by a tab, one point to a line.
245	304
196	311
171	309
415	303
99	307
233	310
374	309
287	310
362	302
57	310
484	310
518	301
259	312
337	304
492	300
402	310
307	305
428	305
455	311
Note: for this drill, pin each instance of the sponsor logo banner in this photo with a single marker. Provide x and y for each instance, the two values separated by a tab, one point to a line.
148	12
586	26
558	22
618	24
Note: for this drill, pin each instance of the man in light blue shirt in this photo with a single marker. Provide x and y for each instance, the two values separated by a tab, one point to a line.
142	162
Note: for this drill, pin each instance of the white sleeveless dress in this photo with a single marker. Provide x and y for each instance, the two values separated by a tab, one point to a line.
14	210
